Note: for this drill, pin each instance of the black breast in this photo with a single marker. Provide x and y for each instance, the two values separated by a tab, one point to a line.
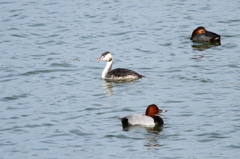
158	120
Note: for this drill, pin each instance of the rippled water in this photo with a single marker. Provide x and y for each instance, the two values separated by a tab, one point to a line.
54	103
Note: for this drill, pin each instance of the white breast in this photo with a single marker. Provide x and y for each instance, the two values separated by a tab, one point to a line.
140	119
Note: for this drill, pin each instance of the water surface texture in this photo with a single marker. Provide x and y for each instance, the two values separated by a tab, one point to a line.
54	103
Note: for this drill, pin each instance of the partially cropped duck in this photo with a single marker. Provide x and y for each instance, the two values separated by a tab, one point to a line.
202	35
150	118
118	73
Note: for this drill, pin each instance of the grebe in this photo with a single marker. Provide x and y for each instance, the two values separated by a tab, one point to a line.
150	118
118	73
202	35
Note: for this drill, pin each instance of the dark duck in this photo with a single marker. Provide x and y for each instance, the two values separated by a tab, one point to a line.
200	34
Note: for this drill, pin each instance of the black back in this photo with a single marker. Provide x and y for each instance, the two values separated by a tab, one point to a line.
122	72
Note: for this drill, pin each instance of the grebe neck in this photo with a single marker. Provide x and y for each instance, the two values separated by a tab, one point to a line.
107	68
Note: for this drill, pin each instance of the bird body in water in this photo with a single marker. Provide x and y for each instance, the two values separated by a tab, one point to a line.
150	118
200	34
118	73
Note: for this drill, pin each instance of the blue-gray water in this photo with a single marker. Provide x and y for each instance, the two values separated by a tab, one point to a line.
54	103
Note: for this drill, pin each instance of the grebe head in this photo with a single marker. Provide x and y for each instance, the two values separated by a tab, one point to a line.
105	56
153	110
199	30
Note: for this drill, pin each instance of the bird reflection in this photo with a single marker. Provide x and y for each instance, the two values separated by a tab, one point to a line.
154	130
152	138
151	146
108	88
197	57
110	84
152	143
204	46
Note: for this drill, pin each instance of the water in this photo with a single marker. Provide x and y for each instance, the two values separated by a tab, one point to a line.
54	103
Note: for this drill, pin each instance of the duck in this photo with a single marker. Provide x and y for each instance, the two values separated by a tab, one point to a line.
150	118
200	34
118	73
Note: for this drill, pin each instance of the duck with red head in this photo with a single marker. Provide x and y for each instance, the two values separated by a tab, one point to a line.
150	118
202	35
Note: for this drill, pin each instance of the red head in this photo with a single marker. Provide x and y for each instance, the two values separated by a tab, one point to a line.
152	110
199	30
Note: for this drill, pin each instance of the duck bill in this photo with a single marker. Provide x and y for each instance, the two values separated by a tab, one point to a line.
162	111
99	59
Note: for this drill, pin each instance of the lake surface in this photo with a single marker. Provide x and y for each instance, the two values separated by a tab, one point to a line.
54	103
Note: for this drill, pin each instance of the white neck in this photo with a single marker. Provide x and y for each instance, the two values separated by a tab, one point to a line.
107	69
